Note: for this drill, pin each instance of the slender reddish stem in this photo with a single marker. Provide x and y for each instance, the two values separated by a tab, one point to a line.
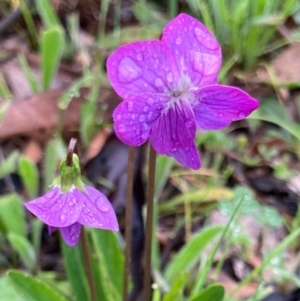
149	223
71	151
128	220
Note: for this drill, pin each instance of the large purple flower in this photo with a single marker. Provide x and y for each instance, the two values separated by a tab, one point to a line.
68	211
169	87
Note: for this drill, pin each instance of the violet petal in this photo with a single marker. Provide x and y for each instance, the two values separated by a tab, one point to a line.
51	230
134	117
71	234
141	67
188	157
174	128
218	105
98	211
56	209
196	51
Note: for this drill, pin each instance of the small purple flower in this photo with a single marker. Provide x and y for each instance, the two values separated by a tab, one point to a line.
68	211
169	88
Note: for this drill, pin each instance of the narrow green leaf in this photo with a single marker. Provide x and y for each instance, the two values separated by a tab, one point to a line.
8	292
28	73
188	256
9	164
37	227
74	265
270	110
164	165
52	46
74	91
29	175
177	289
25	250
268	258
110	258
214	292
47	13
33	289
50	163
12	214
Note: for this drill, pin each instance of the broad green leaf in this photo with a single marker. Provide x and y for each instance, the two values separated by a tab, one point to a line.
47	13
214	292
74	265
177	289
29	175
111	260
25	250
12	214
33	289
9	164
8	291
190	253
52	46
270	110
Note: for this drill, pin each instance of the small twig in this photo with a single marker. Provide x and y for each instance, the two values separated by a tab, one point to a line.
149	223
88	265
71	151
128	220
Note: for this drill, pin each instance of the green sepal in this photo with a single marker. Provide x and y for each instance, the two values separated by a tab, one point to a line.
70	176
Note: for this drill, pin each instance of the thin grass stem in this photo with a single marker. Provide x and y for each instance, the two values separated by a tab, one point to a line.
149	223
128	220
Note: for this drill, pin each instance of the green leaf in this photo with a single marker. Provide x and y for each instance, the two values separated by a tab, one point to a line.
164	165
12	214
111	261
270	110
278	250
9	164
74	91
8	292
29	74
214	292
207	194
52	47
25	250
74	265
50	163
33	289
47	13
29	174
188	256
176	291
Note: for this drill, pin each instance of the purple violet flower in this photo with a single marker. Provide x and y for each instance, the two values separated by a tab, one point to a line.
169	87
70	204
68	211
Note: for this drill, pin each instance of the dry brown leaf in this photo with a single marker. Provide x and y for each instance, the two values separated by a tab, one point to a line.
285	68
96	144
38	116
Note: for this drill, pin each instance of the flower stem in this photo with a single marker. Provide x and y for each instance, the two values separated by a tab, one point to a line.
128	220
88	265
149	223
71	150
